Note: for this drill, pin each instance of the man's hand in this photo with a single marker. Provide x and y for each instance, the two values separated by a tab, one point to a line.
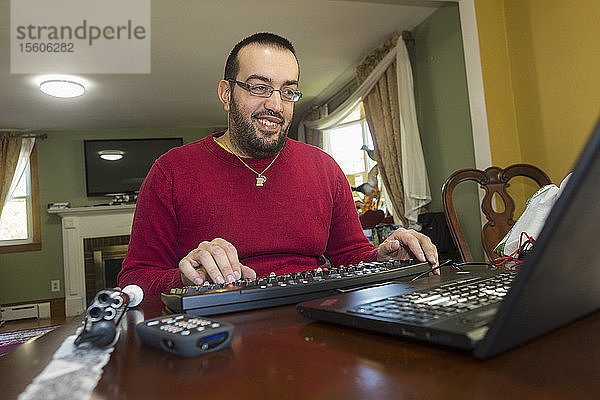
216	261
408	243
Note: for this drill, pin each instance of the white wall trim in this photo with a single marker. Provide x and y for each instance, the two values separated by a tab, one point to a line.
481	136
83	223
479	122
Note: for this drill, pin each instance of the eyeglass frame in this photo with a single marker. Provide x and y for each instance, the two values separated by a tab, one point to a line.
248	87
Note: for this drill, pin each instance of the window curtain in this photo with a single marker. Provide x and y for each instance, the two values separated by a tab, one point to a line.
15	152
311	135
386	90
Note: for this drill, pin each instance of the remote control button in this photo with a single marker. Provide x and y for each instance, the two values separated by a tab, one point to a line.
184	324
185	333
200	329
152	323
215	325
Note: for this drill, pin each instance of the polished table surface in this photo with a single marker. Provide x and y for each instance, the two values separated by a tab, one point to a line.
278	354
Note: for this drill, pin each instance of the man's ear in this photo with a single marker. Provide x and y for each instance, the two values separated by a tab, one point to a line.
224	93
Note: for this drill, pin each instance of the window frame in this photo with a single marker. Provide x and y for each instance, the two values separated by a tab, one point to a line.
35	244
368	163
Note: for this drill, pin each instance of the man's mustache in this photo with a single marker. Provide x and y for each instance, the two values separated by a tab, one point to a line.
268	113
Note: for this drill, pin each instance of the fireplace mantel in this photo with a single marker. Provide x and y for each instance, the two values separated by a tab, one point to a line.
82	223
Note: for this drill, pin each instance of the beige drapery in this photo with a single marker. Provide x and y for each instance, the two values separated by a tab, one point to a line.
311	135
10	148
389	122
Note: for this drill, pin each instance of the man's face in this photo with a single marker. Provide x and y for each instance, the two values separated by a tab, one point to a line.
257	125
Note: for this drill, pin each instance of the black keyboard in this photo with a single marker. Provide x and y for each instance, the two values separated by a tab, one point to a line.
431	305
276	290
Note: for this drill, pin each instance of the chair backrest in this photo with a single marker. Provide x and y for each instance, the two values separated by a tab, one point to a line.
370	218
493	180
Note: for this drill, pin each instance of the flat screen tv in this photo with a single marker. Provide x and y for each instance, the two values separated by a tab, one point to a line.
120	166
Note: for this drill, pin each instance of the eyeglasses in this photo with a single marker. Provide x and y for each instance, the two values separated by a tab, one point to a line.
262	90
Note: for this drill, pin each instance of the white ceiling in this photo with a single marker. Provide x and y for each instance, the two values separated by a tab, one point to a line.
190	42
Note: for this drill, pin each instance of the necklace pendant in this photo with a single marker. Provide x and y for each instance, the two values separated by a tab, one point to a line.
260	180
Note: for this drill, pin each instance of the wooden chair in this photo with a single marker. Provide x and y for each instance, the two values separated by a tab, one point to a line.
371	218
493	180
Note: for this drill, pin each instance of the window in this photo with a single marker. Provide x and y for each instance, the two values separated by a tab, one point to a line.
20	219
344	144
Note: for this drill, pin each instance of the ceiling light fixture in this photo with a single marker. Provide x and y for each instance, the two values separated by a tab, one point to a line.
111	155
62	88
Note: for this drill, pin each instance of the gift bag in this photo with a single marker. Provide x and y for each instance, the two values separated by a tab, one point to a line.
532	220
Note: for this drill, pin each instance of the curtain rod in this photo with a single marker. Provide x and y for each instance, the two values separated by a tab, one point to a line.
40	136
26	133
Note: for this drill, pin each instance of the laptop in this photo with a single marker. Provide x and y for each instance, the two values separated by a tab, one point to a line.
559	282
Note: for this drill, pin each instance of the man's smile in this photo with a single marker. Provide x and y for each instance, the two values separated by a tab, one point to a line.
268	122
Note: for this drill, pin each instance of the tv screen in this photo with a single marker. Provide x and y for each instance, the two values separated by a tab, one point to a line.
121	165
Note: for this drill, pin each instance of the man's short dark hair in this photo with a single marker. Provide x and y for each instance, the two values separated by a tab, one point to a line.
232	66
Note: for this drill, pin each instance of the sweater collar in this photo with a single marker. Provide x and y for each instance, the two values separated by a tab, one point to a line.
230	158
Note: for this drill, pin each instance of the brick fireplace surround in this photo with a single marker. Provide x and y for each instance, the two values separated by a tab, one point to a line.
108	225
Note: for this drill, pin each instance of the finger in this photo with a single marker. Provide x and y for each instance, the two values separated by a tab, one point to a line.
215	262
389	248
221	257
187	268
232	255
432	256
248	273
429	250
414	245
201	273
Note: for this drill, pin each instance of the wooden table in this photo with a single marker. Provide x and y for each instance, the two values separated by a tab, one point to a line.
278	354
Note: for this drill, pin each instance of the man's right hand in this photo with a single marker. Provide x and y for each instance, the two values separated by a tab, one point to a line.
215	261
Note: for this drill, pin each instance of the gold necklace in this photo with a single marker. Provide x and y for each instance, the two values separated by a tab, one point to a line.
260	178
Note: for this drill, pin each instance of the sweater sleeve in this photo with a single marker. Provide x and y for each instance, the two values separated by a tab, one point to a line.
151	261
347	243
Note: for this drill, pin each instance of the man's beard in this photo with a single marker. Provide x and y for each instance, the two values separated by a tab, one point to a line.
244	137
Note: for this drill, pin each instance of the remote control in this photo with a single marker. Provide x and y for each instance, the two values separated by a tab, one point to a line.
184	335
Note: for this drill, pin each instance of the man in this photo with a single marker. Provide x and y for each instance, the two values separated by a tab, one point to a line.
249	200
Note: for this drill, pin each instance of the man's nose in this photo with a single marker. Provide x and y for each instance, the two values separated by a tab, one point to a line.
274	102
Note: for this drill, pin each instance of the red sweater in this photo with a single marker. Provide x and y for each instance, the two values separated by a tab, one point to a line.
200	191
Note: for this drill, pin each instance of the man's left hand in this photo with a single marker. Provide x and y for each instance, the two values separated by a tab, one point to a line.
408	243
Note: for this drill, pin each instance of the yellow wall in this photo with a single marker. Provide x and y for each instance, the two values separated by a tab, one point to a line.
541	72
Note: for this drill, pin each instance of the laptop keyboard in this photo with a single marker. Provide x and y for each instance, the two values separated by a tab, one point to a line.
422	307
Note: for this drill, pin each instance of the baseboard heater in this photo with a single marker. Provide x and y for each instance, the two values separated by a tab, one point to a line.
25	311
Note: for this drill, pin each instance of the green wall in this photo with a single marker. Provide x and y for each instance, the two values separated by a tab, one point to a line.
26	276
443	113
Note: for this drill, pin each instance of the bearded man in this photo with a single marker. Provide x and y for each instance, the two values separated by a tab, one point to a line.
250	201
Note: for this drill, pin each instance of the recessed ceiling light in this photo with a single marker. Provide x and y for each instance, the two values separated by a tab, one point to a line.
62	88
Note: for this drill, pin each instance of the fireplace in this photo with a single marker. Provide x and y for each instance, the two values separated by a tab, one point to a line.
102	262
97	229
